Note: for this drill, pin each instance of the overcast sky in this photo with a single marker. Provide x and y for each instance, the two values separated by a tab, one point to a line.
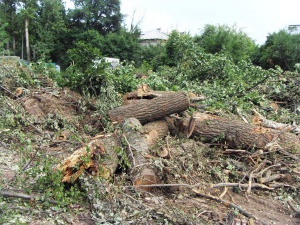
255	17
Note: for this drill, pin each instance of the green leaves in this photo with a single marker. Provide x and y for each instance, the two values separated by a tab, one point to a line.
226	40
282	49
3	35
101	15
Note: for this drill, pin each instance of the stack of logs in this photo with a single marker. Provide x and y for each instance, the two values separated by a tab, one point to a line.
149	115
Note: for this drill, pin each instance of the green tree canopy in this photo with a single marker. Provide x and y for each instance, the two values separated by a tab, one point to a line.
281	48
101	15
50	19
8	15
3	36
123	44
227	40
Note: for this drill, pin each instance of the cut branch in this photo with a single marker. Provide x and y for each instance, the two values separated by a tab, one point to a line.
259	119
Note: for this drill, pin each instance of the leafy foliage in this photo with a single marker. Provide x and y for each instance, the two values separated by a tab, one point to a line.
282	49
122	44
50	27
226	40
3	36
101	15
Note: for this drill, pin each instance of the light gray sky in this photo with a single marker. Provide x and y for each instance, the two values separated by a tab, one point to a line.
255	17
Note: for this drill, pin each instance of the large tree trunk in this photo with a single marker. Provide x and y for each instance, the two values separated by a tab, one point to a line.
237	134
150	110
141	172
27	38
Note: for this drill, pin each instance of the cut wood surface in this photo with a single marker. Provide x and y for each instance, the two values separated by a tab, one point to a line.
138	151
152	109
237	134
155	130
88	157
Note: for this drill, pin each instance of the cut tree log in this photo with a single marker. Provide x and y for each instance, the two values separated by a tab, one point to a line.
237	134
88	158
155	130
138	151
153	109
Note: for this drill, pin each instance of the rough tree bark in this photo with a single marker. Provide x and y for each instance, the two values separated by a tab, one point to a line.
138	151
153	109
238	134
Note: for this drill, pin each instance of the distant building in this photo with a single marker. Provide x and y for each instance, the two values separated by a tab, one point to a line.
294	29
153	37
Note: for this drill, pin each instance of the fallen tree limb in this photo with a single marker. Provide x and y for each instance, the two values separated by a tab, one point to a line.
253	185
237	134
259	119
150	110
228	204
141	173
23	196
143	92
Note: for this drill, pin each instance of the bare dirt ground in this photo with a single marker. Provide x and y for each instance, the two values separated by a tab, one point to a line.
56	117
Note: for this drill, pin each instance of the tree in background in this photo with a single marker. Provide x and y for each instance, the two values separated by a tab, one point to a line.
101	15
8	14
85	50
153	55
281	48
3	36
177	47
28	10
51	27
122	44
227	40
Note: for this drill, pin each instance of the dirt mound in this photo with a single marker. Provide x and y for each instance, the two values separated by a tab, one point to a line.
194	178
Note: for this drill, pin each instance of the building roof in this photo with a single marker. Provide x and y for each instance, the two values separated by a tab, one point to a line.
156	34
